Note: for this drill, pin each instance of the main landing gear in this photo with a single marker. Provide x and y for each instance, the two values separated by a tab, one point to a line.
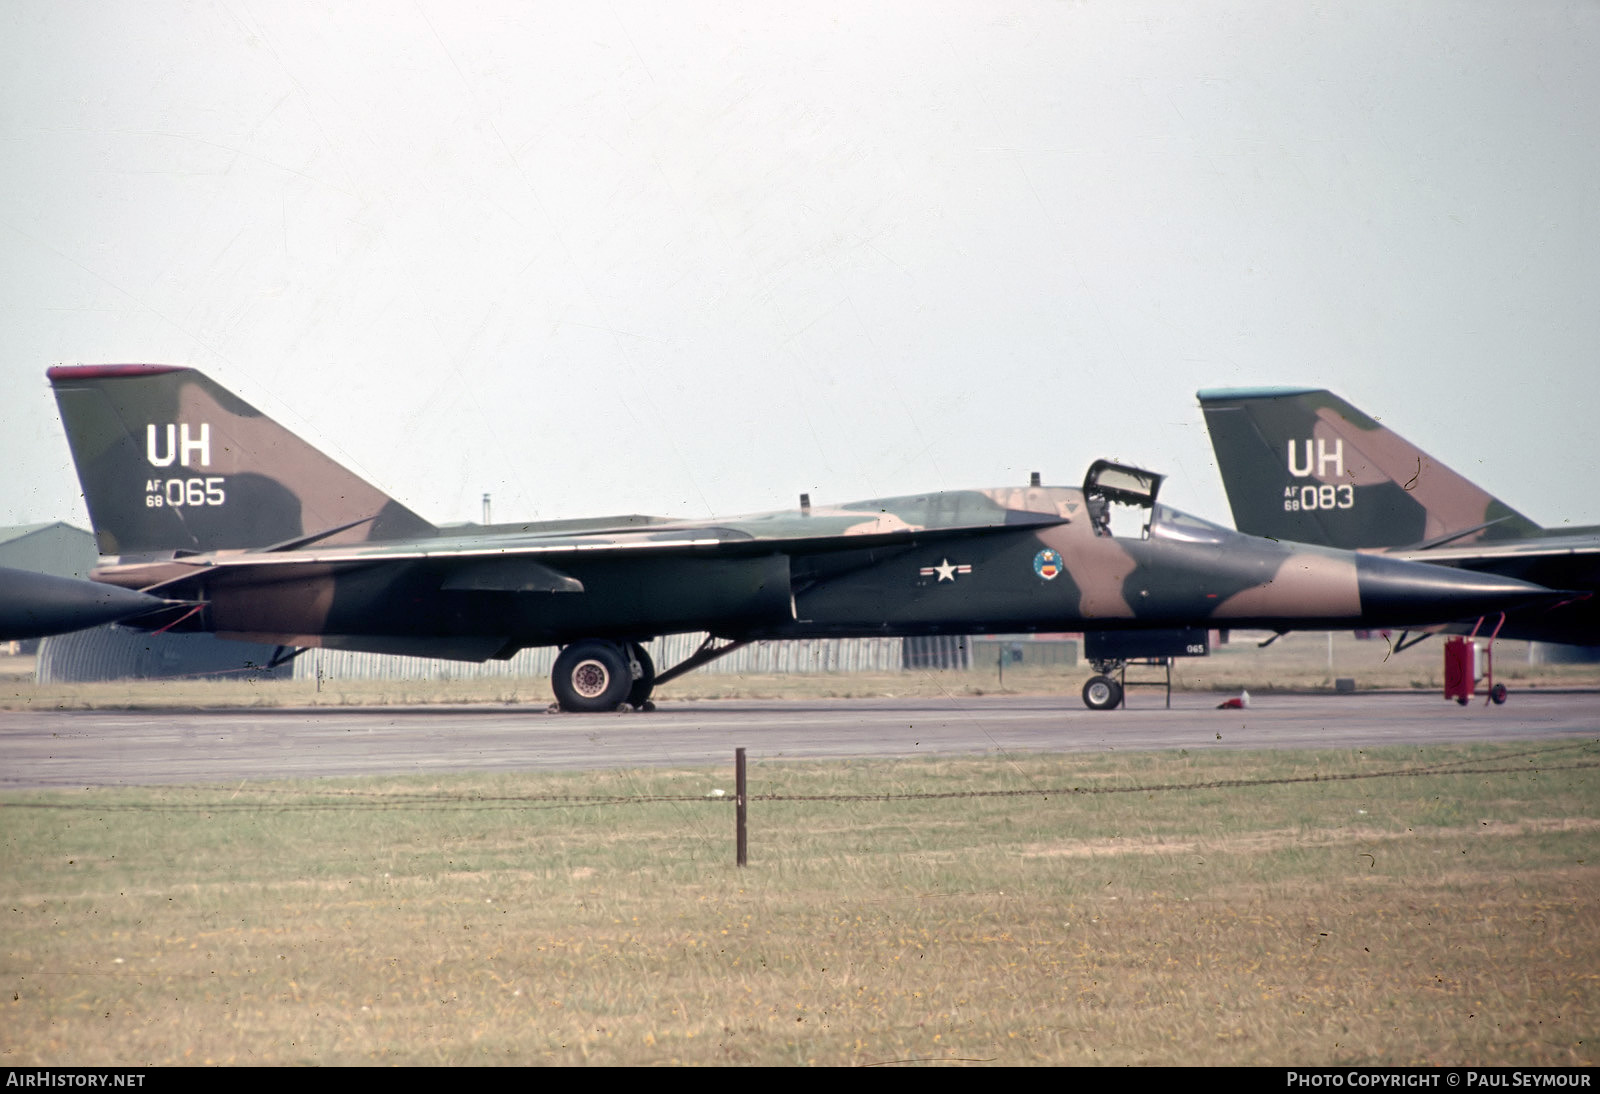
595	675
599	674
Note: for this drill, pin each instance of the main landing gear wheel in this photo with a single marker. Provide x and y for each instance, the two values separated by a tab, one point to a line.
592	676
1102	693
645	682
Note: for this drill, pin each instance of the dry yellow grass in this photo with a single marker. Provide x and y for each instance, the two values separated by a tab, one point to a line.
1440	918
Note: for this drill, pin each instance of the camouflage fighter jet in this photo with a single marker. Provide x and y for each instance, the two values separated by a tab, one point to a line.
197	498
1302	464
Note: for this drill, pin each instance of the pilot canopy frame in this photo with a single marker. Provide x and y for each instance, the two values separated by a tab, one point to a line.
1121	499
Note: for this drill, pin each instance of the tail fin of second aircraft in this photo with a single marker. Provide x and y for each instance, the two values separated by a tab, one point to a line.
170	461
1303	464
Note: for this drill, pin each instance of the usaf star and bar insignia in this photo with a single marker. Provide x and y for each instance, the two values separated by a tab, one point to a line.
1047	565
946	570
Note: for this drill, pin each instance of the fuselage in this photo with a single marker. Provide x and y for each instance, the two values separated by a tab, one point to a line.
956	562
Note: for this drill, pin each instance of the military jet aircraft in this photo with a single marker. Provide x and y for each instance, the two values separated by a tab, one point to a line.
1303	464
199	499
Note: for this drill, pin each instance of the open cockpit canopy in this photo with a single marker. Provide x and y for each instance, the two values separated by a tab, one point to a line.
1110	484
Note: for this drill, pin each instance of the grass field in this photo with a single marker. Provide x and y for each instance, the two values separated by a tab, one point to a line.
1405	906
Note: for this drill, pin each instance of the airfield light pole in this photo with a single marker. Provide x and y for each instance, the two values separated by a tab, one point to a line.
741	839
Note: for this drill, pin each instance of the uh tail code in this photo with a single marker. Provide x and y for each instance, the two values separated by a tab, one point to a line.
190	449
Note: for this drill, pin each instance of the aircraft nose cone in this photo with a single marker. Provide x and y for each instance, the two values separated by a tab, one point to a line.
1419	593
35	605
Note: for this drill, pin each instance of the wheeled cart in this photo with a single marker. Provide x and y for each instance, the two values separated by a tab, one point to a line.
1463	657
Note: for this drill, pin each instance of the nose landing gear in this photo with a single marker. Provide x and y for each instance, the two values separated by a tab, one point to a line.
1102	693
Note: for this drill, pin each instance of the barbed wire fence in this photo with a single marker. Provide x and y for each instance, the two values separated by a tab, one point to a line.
245	797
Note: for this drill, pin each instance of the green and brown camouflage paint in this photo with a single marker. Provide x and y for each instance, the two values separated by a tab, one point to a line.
197	497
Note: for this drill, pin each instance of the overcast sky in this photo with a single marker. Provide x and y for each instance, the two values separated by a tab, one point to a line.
694	258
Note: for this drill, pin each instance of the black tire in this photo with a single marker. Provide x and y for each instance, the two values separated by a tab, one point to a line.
639	694
1497	694
591	676
1102	693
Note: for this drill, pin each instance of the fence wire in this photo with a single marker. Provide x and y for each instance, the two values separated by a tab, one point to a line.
446	801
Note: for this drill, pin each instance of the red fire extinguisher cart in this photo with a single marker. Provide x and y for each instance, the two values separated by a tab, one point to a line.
1462	655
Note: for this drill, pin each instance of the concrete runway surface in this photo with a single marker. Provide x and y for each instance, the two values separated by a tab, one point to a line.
124	748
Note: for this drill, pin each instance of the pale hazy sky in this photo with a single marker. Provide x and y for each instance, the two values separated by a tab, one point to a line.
694	258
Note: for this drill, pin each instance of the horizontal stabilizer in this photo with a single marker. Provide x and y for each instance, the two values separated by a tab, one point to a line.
34	605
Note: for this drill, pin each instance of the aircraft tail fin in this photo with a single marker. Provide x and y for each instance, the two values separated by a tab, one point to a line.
1302	464
172	462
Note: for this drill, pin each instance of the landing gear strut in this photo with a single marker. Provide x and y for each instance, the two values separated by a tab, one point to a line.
596	674
1108	687
643	671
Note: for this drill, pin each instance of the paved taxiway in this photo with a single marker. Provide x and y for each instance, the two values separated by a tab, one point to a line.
116	748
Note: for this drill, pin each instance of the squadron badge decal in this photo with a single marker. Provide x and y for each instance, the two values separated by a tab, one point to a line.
1047	564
